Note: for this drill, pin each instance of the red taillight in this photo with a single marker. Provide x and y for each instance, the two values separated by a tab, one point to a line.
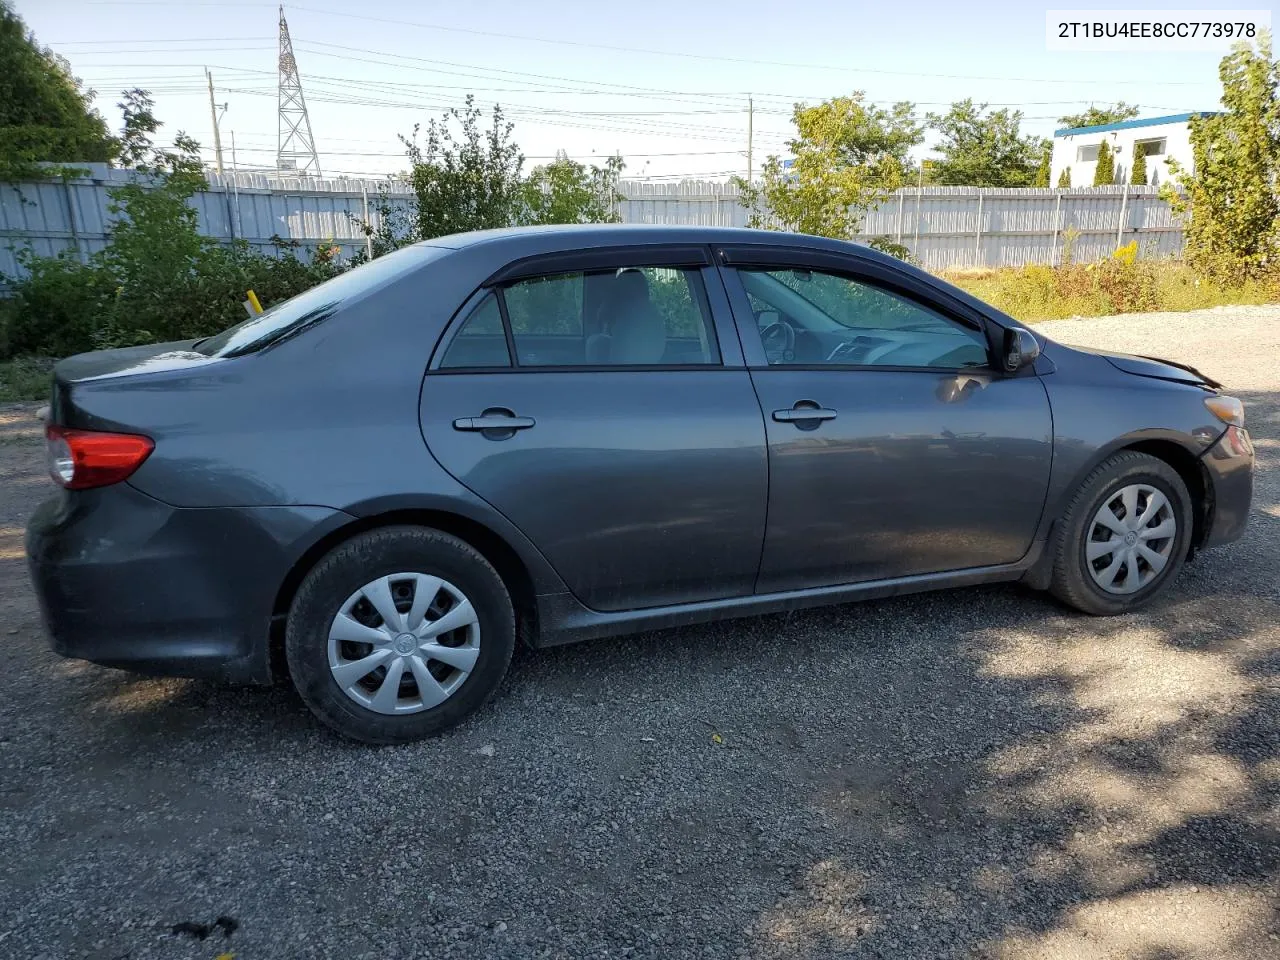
79	459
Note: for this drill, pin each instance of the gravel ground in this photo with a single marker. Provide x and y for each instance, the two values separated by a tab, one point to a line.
969	774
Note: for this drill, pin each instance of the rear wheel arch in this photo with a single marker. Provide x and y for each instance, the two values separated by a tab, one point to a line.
496	550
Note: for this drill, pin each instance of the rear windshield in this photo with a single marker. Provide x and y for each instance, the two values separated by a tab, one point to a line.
315	305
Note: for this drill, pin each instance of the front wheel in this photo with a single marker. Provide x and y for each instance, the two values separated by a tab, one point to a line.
399	633
1124	537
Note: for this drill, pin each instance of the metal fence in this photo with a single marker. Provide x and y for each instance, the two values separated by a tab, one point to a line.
944	227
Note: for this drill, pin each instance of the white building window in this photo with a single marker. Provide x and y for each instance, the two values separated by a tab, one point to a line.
1087	154
1151	148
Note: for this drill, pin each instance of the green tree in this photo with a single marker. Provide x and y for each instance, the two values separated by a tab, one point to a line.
1064	178
464	180
44	114
1231	230
1046	164
158	278
985	149
1138	175
1104	171
1098	116
847	156
565	191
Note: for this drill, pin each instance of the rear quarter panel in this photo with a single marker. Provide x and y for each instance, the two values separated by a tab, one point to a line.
328	418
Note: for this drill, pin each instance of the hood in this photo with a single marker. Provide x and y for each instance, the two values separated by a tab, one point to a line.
1153	367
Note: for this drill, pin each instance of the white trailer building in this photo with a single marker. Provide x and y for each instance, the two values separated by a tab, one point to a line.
1160	138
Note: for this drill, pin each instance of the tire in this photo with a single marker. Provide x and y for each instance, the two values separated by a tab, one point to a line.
355	568
1073	581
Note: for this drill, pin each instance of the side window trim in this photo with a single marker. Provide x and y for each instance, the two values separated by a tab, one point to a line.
590	261
753	348
499	294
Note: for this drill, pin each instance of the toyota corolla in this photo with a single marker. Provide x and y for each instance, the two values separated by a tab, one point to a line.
376	489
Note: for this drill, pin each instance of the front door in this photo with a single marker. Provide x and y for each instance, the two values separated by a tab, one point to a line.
607	413
895	447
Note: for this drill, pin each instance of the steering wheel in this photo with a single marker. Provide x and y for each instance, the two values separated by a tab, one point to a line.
779	341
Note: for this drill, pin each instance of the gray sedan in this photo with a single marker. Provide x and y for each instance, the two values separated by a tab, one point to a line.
376	488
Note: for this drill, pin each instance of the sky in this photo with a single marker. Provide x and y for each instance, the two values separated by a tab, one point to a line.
664	83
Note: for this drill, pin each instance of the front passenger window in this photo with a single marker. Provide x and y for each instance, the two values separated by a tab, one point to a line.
810	317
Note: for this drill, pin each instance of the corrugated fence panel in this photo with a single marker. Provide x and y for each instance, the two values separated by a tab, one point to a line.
942	226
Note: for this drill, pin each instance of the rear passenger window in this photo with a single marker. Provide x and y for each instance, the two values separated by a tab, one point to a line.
481	342
546	306
634	316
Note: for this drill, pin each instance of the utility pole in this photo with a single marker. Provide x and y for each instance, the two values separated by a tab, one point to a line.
213	112
235	185
751	111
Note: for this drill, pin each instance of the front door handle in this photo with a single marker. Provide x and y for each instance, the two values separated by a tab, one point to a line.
804	411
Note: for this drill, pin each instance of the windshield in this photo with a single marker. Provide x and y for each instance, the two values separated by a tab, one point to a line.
315	305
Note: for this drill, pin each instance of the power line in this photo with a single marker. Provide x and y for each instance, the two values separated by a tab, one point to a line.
572	156
712	57
619	89
655	52
82	43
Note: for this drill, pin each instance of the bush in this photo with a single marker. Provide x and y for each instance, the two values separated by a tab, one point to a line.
158	279
1104	172
1138	175
56	309
1119	284
64	306
27	378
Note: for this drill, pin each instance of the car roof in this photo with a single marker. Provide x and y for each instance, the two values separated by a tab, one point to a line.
518	241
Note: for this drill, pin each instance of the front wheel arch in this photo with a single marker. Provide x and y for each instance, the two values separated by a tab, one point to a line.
1073	580
1169	447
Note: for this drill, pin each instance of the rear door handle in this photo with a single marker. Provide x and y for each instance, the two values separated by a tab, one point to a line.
493	421
800	414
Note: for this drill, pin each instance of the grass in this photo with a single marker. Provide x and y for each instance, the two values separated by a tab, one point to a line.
1117	285
25	378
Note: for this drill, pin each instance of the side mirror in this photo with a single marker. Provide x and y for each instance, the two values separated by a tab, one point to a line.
1020	349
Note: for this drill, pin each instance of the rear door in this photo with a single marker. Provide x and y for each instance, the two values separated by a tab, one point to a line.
896	447
602	405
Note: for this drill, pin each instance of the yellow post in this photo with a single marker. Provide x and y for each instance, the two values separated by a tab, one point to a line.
253	299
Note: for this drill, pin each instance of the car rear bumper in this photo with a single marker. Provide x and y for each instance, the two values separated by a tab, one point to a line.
1229	463
127	581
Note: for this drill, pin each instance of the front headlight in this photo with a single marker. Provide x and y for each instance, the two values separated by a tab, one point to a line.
1227	409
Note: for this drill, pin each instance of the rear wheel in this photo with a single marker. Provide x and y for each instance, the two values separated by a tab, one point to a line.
1124	536
398	634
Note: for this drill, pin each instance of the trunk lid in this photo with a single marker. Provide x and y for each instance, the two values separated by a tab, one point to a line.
76	379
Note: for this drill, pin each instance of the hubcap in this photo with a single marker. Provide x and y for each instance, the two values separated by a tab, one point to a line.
1130	539
404	643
